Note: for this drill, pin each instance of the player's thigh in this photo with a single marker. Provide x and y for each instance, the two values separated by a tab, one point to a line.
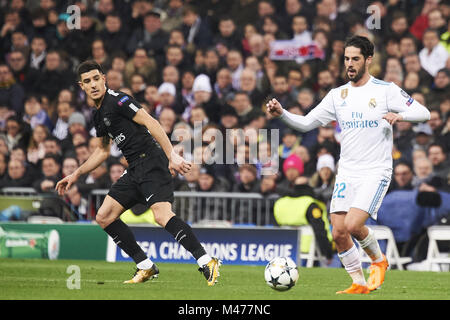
369	195
162	212
343	193
109	211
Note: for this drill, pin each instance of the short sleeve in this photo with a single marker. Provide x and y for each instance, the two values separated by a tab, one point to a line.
397	99
324	111
128	107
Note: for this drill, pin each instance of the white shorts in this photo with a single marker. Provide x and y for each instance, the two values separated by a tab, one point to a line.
363	192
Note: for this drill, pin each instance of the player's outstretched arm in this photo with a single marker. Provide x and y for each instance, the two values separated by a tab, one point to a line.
176	162
99	155
297	122
404	108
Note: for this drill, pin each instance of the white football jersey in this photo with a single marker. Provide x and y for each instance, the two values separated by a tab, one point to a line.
366	138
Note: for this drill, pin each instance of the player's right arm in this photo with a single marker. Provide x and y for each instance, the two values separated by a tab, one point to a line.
99	155
322	114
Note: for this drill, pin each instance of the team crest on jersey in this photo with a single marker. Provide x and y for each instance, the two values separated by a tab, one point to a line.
107	121
372	103
344	93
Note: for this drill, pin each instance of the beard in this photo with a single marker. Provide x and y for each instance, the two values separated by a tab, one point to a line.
356	77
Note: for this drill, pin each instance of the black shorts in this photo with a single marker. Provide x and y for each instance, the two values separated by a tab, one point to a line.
147	181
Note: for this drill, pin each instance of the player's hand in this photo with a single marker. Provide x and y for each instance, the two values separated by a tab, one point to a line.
274	108
392	117
63	185
178	164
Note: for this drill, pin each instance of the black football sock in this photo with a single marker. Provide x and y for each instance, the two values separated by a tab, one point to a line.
124	238
182	232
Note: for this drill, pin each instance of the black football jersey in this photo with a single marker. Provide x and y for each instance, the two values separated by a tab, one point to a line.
114	118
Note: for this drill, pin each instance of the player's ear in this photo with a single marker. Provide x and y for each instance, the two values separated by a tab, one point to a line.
80	84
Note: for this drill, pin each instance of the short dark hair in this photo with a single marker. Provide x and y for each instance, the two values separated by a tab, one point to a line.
362	43
88	66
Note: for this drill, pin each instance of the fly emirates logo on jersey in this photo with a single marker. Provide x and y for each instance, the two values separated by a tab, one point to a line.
358	122
120	138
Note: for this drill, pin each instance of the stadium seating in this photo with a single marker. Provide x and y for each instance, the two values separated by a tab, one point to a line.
391	252
437	233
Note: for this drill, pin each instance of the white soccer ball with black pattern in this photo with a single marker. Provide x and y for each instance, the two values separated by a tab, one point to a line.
281	273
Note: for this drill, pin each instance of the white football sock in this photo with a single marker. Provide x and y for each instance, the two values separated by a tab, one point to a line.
352	264
371	247
144	265
204	259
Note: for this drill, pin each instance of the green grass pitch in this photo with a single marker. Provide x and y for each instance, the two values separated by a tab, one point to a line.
47	280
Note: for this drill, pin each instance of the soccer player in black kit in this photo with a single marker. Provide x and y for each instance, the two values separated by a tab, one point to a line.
148	178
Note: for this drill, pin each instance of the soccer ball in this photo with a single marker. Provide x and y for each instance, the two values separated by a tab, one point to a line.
281	273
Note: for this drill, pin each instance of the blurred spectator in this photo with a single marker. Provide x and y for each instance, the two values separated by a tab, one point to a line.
289	141
243	107
77	123
403	177
16	176
64	111
174	15
423	170
3	166
293	168
54	77
412	64
228	36
440	88
151	37
223	86
114	80
433	56
17	133
51	170
82	153
403	137
424	136
77	203
137	87
167	119
34	114
52	146
115	35
248	85
167	99
36	149
12	94
142	64
38	52
69	165
23	73
207	181
96	179
323	180
248	179
438	157
235	64
116	170
195	28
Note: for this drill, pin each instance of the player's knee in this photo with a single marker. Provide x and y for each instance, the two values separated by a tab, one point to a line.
339	235
103	219
162	214
354	228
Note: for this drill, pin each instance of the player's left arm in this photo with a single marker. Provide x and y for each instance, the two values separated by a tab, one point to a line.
176	162
402	107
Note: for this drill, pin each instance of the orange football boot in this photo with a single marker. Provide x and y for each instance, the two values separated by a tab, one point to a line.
377	272
355	289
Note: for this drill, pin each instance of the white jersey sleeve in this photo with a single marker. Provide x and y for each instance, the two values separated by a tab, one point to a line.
400	102
325	111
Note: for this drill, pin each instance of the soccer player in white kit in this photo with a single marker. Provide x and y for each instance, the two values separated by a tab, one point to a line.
365	108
